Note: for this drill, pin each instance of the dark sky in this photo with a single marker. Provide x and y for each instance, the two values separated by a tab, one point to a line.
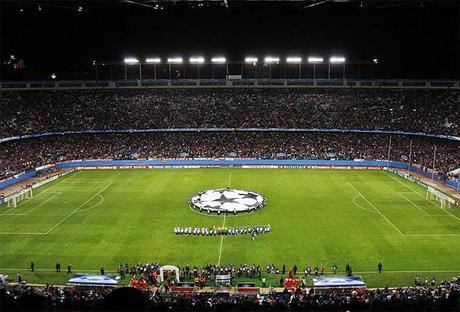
409	41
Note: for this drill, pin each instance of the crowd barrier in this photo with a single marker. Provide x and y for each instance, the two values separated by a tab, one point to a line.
232	163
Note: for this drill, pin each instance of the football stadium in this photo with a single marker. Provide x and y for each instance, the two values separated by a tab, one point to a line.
183	155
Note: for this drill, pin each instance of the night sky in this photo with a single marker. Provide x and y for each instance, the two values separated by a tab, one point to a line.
410	41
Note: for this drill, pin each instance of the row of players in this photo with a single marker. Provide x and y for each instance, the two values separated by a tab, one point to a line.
207	231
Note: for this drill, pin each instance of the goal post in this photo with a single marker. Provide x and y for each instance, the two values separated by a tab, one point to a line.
13	199
432	193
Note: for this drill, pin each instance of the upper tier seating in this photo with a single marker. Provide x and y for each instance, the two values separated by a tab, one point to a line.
430	111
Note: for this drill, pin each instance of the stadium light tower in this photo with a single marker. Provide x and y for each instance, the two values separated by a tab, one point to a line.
219	60
314	60
132	61
173	60
294	60
154	61
336	60
271	60
251	59
197	60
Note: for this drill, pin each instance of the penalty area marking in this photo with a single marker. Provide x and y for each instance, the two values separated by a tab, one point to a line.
101	200
78	208
62	221
421	209
416	192
403	234
359	206
380	213
36	207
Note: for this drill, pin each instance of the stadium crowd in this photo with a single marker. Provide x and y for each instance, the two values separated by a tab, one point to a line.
151	271
18	156
51	298
433	111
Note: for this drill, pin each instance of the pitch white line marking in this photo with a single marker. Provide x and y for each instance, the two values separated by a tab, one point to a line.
229	179
36	207
392	175
6	213
96	205
394	226
60	222
73	212
415	191
359	206
221	244
435	234
414	204
60	180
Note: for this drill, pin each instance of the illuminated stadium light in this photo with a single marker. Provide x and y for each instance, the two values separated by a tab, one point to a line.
131	60
251	59
336	59
375	61
314	59
176	60
293	59
53	76
271	59
153	60
197	60
219	60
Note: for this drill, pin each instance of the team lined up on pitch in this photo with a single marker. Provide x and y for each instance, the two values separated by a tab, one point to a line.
223	230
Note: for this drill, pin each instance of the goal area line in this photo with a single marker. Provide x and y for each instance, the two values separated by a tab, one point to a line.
377	211
62	220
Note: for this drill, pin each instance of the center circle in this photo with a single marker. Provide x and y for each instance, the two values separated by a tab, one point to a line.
226	200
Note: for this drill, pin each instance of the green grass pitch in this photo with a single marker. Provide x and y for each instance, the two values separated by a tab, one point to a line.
105	217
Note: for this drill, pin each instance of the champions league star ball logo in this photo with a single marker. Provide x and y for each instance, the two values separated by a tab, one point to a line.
227	200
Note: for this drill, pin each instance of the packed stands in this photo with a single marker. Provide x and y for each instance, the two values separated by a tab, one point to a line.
431	111
21	155
52	298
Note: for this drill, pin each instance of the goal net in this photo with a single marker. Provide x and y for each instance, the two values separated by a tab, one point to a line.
13	199
432	193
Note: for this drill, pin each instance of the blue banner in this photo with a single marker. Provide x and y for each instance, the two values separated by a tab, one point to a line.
339	281
94	280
